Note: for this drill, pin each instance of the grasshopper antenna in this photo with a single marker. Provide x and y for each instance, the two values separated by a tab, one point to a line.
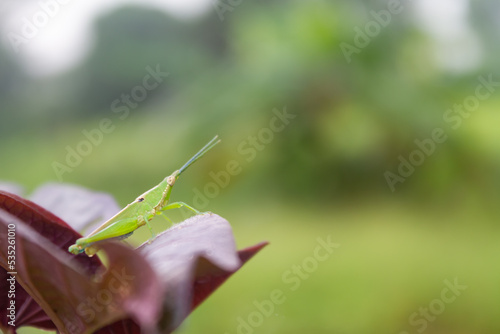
200	153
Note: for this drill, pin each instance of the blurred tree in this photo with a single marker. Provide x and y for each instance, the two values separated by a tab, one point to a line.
132	39
13	81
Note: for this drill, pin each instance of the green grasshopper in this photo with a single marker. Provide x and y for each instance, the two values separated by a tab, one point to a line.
138	213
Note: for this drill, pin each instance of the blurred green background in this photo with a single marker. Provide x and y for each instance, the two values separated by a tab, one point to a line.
362	83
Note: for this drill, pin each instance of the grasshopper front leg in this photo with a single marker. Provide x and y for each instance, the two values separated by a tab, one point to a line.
177	205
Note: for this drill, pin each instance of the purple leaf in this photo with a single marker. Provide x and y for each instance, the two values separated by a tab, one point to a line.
209	277
61	282
28	312
74	300
81	208
46	224
153	288
197	252
207	280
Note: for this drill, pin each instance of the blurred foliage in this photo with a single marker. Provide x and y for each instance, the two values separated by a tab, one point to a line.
226	76
115	64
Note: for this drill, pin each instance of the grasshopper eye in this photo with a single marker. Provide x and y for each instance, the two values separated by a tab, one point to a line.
140	199
171	180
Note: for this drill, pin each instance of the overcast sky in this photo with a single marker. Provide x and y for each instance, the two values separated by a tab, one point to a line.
456	46
66	37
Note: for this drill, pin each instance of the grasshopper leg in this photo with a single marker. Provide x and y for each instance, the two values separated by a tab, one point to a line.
165	216
176	205
145	221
